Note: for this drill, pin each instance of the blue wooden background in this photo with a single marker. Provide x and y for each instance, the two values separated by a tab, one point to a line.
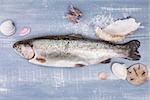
20	80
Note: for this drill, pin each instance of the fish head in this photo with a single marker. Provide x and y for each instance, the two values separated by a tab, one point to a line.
24	49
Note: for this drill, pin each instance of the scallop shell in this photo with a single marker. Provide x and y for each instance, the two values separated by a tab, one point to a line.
7	28
24	31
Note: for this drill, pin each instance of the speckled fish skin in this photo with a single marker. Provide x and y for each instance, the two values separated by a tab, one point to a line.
72	51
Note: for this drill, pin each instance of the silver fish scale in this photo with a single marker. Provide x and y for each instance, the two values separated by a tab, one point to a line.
48	44
89	45
62	45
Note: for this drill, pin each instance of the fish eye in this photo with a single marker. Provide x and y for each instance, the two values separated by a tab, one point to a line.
14	45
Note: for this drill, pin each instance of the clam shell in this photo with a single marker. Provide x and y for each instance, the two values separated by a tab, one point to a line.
119	70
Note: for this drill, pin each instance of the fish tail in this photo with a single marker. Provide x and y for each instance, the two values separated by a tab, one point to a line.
132	50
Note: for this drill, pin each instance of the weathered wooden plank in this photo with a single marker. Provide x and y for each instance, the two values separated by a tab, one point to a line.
20	80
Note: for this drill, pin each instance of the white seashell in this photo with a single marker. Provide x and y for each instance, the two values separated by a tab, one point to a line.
122	27
119	70
7	28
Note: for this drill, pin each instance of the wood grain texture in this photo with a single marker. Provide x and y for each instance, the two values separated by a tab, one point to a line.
20	80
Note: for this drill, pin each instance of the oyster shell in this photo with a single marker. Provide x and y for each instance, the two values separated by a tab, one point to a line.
118	30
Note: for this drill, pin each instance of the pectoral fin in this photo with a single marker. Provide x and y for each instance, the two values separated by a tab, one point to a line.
41	59
79	65
106	61
79	36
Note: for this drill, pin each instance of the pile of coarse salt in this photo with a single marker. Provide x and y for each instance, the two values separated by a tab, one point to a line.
87	28
101	21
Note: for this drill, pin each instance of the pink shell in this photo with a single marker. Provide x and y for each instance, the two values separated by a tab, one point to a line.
24	31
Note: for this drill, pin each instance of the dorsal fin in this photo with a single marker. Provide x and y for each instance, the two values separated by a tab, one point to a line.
63	37
80	36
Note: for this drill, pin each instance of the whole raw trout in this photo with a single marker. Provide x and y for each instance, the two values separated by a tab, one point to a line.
73	51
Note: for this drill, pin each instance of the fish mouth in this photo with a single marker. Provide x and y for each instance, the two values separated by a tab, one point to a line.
24	49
